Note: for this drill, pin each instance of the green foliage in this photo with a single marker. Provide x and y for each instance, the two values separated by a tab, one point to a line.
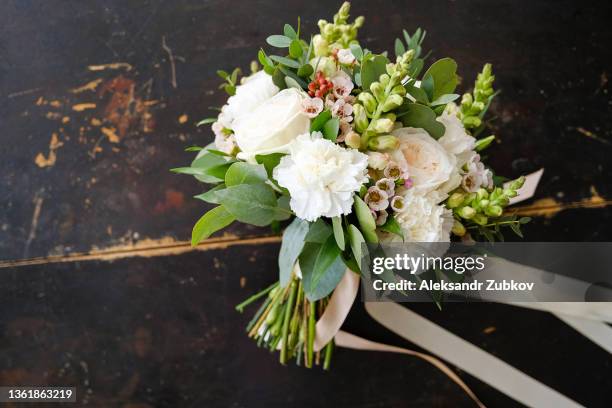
252	203
338	232
356	240
291	247
421	116
474	106
372	69
210	196
322	268
444	75
269	161
320	120
229	84
212	221
392	226
245	173
330	129
367	223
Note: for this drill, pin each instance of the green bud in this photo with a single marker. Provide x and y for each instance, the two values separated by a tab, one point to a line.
399	90
320	46
518	183
466	212
386	142
378	90
503	201
359	22
482	144
493	211
392	102
455	200
478	107
480	219
384	79
254	67
466	99
369	102
469	198
458	229
482	203
472	121
383	125
482	193
360	118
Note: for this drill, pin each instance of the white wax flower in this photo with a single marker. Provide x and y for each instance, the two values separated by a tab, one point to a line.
272	126
423	220
321	176
477	175
428	163
312	106
345	56
343	85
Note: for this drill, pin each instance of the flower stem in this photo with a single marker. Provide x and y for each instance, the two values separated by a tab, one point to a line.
328	354
256	296
286	318
311	334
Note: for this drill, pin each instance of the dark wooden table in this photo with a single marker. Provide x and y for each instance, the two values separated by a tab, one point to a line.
98	286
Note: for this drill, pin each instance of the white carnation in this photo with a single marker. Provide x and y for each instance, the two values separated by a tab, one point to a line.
423	220
321	176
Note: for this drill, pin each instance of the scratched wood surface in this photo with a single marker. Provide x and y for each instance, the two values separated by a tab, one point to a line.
98	284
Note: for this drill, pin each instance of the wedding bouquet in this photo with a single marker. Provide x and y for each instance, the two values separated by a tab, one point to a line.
353	147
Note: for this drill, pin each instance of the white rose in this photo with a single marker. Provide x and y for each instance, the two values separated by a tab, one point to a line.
429	165
255	90
272	126
456	141
423	220
321	176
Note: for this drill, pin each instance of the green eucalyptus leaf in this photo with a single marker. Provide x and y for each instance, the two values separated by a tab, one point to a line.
295	49
420	116
289	31
444	76
279	41
356	240
291	247
399	47
210	196
305	71
366	220
318	232
284	208
269	161
417	93
245	173
212	221
338	232
372	69
320	120
330	129
206	121
251	203
278	78
356	51
292	83
288	62
444	99
322	268
392	226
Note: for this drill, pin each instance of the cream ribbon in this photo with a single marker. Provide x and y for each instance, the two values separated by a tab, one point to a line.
426	334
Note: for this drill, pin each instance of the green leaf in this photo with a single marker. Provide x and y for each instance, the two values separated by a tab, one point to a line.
356	51
444	76
399	47
322	268
206	121
193	149
393	227
338	232
372	69
284	208
417	93
356	240
278	78
524	220
223	74
427	85
293	75
251	203
263	59
366	220
330	129
289	31
320	120
245	173
482	144
269	161
210	196
212	221
295	49
444	99
204	161
278	41
292	83
318	232
291	247
288	62
305	71
420	116
192	171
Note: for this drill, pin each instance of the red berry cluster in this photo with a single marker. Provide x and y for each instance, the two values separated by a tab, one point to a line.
320	86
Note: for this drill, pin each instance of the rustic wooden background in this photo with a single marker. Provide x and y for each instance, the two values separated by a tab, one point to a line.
98	286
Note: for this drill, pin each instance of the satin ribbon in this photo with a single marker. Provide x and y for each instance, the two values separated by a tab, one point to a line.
426	334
